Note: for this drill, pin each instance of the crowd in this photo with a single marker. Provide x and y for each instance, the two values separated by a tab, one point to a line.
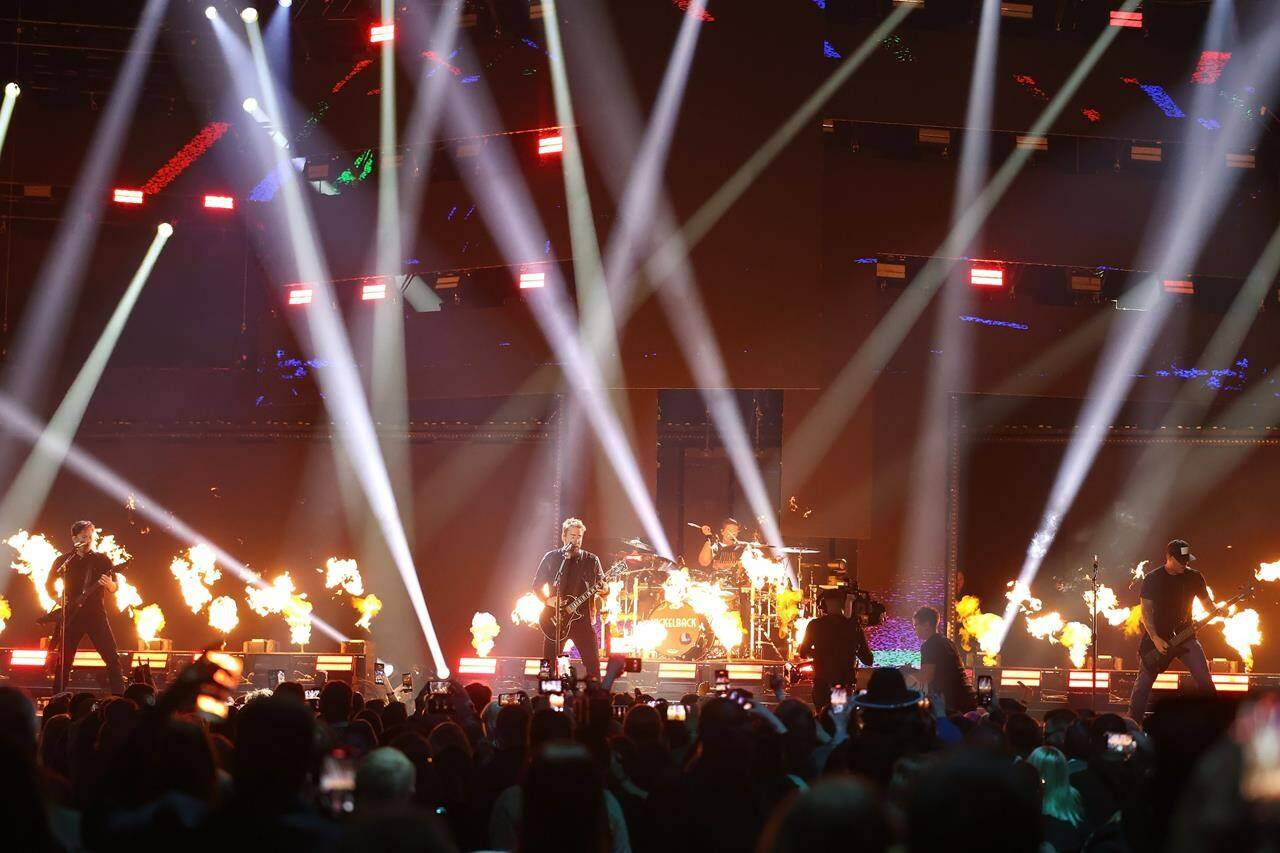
616	772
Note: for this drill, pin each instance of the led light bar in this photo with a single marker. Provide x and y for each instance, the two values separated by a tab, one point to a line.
447	281
746	672
122	196
373	290
28	657
300	296
478	666
1084	282
678	670
532	666
886	270
155	660
1166	681
89	659
219	202
1129	20
1078	679
1017	11
1146	153
1230	682
933	136
381	33
1032	143
548	145
1182	288
532	280
1019	678
986	276
1241	161
335	663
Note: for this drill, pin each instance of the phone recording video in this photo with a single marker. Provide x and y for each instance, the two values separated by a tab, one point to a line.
516	698
986	691
557	701
338	782
839	697
721	686
380	673
550	685
1121	743
677	711
438	687
406	680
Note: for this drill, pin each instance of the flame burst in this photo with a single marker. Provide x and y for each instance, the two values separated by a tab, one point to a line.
149	621
1076	636
279	597
787	604
35	560
1240	628
1134	623
196	573
645	639
710	602
343	573
1020	594
114	551
1046	626
1268	571
368	607
1108	605
6	612
484	630
986	628
223	617
127	595
527	611
761	570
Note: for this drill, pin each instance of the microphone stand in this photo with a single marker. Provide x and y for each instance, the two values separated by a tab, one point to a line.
1093	684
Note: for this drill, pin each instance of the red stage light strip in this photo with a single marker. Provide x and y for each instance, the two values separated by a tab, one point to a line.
1129	20
683	6
1210	66
442	62
355	69
986	277
187	155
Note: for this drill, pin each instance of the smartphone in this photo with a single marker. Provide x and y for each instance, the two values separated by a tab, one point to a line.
338	782
516	698
631	665
544	669
379	673
677	712
722	682
550	685
311	694
839	697
1121	743
557	701
406	680
620	711
743	698
438	687
986	691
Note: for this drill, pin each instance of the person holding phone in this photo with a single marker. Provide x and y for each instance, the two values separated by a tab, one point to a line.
941	675
836	643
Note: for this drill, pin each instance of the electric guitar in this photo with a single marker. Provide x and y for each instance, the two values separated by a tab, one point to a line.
1155	661
54	616
569	611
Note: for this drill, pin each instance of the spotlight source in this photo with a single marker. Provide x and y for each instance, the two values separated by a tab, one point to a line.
986	275
250	105
381	33
123	196
12	90
548	145
285	4
210	12
219	202
249	15
164	229
532	280
300	296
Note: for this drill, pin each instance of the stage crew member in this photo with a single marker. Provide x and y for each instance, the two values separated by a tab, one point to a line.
836	643
88	577
941	676
1166	609
566	573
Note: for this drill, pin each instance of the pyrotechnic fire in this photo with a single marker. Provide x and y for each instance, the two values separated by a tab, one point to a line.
1108	605
527	611
1047	626
196	573
787	605
761	570
1076	636
484	629
149	621
223	617
1020	594
709	601
115	552
280	598
343	573
369	607
127	595
1140	570
986	628
298	616
646	638
801	625
1240	628
6	612
1268	571
611	610
35	560
1134	623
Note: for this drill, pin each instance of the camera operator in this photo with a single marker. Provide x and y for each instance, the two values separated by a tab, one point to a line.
836	643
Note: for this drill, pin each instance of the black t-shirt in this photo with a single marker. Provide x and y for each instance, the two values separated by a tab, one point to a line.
836	644
1171	595
82	573
949	680
579	571
724	556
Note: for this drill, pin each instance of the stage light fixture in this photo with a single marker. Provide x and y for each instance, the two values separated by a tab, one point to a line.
933	136
447	281
123	196
1017	11
210	12
532	280
300	296
1146	153
373	290
285	4
219	202
892	269
1128	20
548	145
164	229
250	105
381	33
1241	161
1178	287
1032	143
12	90
986	275
249	15
1086	281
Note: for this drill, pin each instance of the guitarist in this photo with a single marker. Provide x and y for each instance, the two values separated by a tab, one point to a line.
1166	607
565	573
86	571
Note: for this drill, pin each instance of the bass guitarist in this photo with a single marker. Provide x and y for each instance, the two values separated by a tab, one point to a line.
87	576
564	574
1166	607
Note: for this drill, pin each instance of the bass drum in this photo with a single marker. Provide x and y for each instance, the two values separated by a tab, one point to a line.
687	632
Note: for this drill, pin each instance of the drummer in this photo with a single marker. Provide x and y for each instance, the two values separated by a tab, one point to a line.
723	553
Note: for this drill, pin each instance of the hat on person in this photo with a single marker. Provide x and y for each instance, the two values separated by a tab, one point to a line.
1181	551
887	690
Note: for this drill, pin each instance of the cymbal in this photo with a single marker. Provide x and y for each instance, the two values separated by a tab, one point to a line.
637	544
798	551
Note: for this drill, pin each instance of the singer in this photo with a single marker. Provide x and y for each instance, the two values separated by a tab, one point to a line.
567	572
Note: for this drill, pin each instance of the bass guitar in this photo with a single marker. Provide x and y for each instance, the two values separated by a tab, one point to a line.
1156	661
570	610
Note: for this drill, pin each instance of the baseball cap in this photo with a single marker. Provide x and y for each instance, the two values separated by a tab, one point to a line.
1181	551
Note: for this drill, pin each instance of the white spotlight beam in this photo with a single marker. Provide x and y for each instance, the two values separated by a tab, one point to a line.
26	495
93	471
11	92
54	292
343	391
843	396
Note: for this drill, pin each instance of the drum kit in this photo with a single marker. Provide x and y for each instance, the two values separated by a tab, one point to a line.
647	617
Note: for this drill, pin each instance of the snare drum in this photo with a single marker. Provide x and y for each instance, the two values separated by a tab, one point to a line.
686	632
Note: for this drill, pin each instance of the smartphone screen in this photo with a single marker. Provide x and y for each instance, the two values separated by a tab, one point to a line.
557	701
338	782
311	694
544	669
677	712
438	687
722	681
551	685
1121	743
632	665
379	673
406	680
986	690
510	698
839	697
